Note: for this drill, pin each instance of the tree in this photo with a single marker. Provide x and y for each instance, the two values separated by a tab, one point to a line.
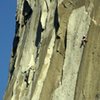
49	60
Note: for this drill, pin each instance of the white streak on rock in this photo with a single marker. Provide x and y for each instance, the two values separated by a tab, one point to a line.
27	60
31	63
44	70
78	26
44	14
30	76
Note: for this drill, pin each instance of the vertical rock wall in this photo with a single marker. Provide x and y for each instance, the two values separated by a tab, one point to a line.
48	61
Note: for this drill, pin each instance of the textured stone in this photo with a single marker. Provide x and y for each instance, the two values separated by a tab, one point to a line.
48	61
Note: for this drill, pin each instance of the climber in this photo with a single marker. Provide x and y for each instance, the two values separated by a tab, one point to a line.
83	41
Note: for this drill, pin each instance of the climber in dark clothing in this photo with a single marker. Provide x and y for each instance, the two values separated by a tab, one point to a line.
84	41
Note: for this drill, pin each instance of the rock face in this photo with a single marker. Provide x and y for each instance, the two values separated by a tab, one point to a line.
56	51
